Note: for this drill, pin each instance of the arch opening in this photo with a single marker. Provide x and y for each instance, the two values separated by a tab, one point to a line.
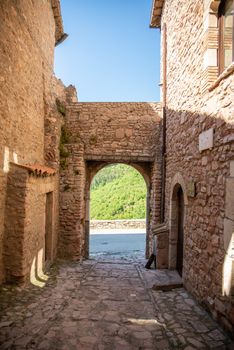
176	238
117	211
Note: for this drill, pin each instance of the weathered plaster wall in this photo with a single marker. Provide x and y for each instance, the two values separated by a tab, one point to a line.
95	135
27	91
190	111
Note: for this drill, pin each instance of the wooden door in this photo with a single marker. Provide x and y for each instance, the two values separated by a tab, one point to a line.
180	241
48	226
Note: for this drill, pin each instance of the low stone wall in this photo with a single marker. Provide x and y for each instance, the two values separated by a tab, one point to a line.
97	225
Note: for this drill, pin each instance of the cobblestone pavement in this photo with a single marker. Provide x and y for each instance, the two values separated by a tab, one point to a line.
101	305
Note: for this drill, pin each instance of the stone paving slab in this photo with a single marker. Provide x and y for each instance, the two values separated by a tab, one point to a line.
101	305
159	278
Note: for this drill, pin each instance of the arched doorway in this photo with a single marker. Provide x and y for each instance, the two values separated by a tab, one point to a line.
177	220
180	230
93	169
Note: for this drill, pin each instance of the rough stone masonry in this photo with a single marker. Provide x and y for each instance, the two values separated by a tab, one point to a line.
28	112
51	146
199	113
95	135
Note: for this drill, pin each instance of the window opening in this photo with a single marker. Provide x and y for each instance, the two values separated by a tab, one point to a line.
226	34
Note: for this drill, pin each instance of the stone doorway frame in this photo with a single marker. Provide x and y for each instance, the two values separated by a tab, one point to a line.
92	168
177	182
49	219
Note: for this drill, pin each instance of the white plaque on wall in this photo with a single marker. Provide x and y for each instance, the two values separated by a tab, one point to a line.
206	140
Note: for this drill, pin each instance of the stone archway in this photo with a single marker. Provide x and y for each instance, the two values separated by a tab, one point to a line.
92	168
178	203
98	134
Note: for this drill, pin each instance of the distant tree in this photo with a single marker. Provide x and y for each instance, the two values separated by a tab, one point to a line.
118	192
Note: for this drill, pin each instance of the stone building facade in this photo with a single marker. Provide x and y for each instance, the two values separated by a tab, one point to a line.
29	133
198	113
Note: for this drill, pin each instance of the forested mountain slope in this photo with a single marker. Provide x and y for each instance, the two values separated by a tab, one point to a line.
118	192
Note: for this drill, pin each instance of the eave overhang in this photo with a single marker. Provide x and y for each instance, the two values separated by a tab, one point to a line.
36	169
155	21
60	36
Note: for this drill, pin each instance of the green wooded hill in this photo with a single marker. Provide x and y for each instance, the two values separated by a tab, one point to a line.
118	192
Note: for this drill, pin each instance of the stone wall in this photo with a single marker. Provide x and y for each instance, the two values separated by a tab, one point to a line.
191	111
134	224
26	226
95	135
115	130
28	91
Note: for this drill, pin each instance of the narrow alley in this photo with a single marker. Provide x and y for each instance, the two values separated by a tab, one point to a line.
104	305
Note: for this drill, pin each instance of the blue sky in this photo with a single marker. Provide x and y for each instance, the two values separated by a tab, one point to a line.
111	54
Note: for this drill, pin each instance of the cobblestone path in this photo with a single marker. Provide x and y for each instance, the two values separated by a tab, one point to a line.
101	306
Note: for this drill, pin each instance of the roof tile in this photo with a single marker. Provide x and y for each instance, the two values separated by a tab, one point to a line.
155	20
37	169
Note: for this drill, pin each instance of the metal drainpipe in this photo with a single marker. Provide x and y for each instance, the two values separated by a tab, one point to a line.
164	126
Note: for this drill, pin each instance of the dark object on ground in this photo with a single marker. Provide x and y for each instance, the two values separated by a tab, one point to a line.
152	259
167	287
